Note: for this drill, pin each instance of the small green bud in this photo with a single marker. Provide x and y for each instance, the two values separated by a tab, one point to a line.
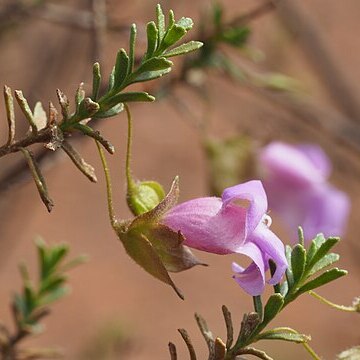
144	196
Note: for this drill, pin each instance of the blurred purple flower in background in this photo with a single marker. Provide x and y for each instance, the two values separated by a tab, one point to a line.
296	181
235	223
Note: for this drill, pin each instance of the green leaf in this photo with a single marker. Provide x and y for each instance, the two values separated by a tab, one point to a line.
54	295
272	308
288	273
111	79
121	68
151	69
133	33
327	260
51	284
285	335
184	48
237	36
326	277
314	246
172	36
110	112
128	97
322	251
96	81
298	260
160	23
152	39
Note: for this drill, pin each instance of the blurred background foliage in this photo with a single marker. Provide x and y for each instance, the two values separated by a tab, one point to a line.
269	70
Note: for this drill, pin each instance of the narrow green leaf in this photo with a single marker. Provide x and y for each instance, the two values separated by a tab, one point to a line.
132	48
314	246
129	97
327	260
151	69
173	35
160	23
288	273
96	81
184	48
121	68
272	308
79	95
111	79
322	251
152	39
326	277
55	295
171	20
298	260
285	336
109	113
51	284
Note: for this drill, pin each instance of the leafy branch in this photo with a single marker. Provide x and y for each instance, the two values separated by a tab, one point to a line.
306	272
45	128
32	304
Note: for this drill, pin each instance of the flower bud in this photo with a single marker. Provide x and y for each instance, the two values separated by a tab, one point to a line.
143	196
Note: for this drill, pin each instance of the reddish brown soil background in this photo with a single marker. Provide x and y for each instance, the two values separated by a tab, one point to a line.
39	57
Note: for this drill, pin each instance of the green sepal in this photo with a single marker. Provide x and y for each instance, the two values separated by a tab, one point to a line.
143	253
143	196
184	48
324	278
154	246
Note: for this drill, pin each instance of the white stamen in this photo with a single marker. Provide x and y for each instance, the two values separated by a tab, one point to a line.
267	220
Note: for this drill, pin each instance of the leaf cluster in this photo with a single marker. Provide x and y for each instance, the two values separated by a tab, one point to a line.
33	302
163	43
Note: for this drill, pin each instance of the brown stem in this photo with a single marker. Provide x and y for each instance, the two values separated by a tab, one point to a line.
42	136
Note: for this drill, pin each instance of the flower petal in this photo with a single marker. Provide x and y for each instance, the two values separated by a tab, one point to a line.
327	212
208	225
251	279
294	166
252	192
272	248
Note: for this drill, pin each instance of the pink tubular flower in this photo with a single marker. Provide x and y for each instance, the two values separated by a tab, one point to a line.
235	223
295	177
